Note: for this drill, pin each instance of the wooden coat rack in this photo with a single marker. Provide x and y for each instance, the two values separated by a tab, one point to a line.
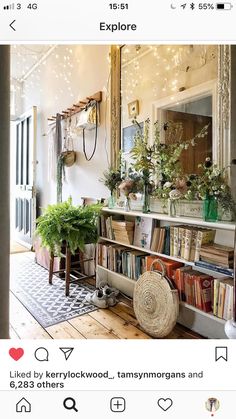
78	107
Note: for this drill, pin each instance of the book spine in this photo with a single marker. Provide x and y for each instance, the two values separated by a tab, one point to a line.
216	296
231	303
176	241
193	245
221	300
172	241
182	243
187	244
226	304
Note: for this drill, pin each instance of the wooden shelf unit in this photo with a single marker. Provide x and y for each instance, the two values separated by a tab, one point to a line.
206	324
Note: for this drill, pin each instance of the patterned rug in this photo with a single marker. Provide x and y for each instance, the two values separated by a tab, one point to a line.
47	303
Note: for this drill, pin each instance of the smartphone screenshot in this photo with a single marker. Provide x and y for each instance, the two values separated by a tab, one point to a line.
117	209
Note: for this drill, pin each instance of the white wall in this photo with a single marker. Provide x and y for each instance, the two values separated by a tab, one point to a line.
68	75
157	74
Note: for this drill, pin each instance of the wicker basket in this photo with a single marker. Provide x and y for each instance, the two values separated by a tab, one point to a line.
156	302
69	157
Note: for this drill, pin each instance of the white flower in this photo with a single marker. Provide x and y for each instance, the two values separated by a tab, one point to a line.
167	185
175	194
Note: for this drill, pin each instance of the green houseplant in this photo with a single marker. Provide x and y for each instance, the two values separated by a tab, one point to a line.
65	223
111	179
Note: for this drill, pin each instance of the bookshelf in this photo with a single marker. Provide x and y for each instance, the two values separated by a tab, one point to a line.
199	321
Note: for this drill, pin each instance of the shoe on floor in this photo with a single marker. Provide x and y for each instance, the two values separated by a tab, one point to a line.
97	298
111	294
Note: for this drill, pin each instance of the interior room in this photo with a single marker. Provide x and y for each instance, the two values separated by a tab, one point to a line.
122	192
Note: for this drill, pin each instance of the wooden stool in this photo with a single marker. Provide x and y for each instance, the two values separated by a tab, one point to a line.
69	267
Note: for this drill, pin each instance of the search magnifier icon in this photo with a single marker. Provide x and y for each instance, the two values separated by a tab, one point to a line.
70	404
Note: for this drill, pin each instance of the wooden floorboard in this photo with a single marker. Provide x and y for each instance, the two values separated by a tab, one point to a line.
64	330
121	328
23	323
17	248
117	322
90	328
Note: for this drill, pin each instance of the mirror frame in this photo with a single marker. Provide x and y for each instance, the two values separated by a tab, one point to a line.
224	140
200	91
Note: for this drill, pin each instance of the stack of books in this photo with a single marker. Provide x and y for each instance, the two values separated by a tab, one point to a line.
186	241
223	295
218	254
123	231
194	287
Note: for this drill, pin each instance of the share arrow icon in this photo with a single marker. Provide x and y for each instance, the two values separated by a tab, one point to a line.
67	352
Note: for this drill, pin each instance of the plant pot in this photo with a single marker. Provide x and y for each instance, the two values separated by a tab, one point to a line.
69	157
185	208
158	205
136	204
224	215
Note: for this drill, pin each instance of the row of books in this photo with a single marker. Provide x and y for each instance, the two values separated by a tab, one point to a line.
186	241
142	232
131	263
218	254
195	288
223	295
180	241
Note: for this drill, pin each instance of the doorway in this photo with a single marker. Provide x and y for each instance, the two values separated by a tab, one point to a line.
23	178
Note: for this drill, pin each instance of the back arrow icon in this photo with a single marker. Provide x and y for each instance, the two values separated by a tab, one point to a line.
11	25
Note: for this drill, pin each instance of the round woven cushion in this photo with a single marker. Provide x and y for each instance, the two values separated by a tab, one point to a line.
156	306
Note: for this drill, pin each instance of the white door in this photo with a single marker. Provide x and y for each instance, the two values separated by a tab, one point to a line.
24	193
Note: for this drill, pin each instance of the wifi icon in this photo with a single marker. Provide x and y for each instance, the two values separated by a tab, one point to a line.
9	6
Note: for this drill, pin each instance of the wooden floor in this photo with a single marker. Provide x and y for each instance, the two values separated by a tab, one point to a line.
117	322
17	248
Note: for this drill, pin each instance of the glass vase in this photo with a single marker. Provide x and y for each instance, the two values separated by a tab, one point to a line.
172	207
127	204
210	208
111	201
146	199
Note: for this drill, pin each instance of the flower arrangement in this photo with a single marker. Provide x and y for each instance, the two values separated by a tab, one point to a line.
211	182
163	159
111	178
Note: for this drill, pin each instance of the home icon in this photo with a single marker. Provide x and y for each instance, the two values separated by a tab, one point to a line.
23	406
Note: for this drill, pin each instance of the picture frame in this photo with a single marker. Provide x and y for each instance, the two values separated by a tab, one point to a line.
133	109
128	134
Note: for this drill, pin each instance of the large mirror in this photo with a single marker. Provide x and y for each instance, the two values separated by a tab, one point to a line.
182	83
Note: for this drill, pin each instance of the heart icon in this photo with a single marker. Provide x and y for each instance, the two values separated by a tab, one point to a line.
16	354
165	404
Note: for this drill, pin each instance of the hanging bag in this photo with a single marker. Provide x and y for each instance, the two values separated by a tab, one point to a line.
156	302
88	119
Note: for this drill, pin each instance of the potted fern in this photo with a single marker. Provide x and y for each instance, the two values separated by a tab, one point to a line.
65	223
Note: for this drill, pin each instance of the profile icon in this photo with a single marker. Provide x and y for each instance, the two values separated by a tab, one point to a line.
212	405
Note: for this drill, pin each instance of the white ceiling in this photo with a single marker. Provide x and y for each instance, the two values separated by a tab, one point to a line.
25	57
